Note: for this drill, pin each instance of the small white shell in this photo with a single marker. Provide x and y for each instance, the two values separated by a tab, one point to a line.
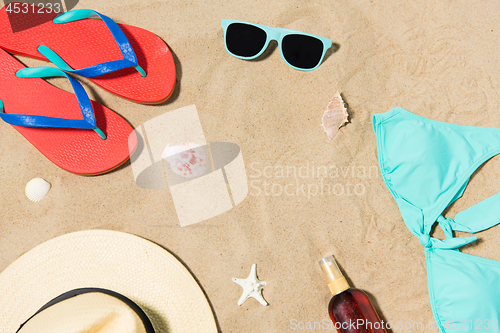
36	189
335	116
188	160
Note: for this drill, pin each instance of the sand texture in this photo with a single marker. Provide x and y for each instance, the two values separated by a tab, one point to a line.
438	59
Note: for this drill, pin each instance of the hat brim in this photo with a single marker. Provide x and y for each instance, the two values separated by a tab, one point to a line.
142	271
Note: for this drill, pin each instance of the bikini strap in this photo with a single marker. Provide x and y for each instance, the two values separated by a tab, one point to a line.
479	217
450	243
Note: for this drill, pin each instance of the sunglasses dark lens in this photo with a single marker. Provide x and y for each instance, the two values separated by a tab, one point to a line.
302	51
245	40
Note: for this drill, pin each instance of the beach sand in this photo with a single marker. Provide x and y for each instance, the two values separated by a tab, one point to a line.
437	59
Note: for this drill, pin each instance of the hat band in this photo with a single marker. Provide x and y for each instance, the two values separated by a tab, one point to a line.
76	292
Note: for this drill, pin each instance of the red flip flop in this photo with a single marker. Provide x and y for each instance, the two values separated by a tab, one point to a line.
76	134
115	57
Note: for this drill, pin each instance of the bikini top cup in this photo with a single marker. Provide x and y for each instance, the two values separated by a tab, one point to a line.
426	165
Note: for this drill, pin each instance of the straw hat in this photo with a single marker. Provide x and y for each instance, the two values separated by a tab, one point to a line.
131	266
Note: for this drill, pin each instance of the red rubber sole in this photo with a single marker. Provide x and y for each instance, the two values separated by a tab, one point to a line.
78	151
88	42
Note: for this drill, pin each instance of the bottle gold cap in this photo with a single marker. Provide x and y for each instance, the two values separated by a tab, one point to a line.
336	281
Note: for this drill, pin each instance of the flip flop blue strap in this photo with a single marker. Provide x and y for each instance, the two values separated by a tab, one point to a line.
129	57
88	121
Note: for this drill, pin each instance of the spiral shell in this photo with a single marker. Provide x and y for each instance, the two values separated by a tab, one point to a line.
335	116
36	189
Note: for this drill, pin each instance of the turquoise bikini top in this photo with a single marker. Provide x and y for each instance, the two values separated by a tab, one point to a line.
426	165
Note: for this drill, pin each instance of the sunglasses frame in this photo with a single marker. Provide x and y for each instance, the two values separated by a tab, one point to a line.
276	34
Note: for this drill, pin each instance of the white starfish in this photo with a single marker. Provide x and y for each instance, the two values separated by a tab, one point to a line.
252	287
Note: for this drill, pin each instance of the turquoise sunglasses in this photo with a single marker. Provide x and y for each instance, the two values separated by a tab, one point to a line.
298	49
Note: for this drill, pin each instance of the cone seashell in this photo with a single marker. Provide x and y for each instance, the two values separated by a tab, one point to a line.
188	160
36	189
335	116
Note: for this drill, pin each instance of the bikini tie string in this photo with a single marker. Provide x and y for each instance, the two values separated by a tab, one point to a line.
450	242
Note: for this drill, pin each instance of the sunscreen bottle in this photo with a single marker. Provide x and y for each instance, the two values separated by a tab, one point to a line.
350	309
